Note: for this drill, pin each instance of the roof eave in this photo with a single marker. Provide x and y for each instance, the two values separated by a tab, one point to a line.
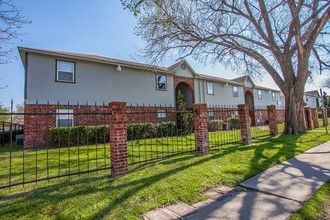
31	50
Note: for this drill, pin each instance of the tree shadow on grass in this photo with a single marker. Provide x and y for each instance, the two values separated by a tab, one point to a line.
124	190
120	189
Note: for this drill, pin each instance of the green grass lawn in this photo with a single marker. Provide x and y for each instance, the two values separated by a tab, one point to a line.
318	207
321	127
177	179
35	164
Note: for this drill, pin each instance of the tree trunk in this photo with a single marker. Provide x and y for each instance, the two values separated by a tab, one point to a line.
294	112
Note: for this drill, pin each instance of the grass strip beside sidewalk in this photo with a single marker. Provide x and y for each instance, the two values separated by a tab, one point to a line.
318	207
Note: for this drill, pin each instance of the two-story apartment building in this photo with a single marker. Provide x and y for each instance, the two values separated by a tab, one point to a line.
71	77
63	80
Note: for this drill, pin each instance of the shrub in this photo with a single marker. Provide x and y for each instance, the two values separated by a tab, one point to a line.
150	130
185	123
215	125
185	120
166	129
234	123
64	136
84	135
140	131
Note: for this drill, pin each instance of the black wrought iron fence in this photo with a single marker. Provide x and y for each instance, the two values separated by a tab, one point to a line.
156	132
223	125
259	122
59	140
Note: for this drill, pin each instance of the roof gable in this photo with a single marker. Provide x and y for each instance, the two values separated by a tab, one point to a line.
182	68
245	80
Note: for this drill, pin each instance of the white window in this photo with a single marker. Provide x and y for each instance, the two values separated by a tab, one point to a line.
64	118
161	82
235	91
273	96
234	114
161	116
211	115
259	94
279	103
210	88
65	71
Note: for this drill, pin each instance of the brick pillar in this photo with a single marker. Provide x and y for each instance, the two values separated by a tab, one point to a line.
272	118
325	117
118	139
245	124
308	118
201	132
315	117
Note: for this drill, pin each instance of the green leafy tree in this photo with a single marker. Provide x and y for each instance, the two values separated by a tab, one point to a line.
4	118
185	120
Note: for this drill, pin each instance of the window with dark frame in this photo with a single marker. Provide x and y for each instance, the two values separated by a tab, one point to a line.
161	82
161	116
259	94
210	88
64	118
235	91
65	71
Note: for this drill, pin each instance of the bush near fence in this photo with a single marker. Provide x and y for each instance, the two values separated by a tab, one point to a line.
215	125
79	135
137	131
234	123
84	135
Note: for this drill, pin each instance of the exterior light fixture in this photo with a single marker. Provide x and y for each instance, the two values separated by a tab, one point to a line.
118	68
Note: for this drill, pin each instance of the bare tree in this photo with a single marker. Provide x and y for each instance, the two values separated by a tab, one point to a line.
287	39
326	83
10	22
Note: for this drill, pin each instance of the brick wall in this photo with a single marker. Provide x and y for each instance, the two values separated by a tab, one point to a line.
140	114
188	81
40	118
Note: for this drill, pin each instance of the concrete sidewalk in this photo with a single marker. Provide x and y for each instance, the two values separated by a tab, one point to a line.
275	193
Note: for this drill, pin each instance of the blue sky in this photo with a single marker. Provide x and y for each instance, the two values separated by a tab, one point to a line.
100	27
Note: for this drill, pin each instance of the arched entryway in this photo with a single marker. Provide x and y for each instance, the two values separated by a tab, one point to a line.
187	92
249	100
